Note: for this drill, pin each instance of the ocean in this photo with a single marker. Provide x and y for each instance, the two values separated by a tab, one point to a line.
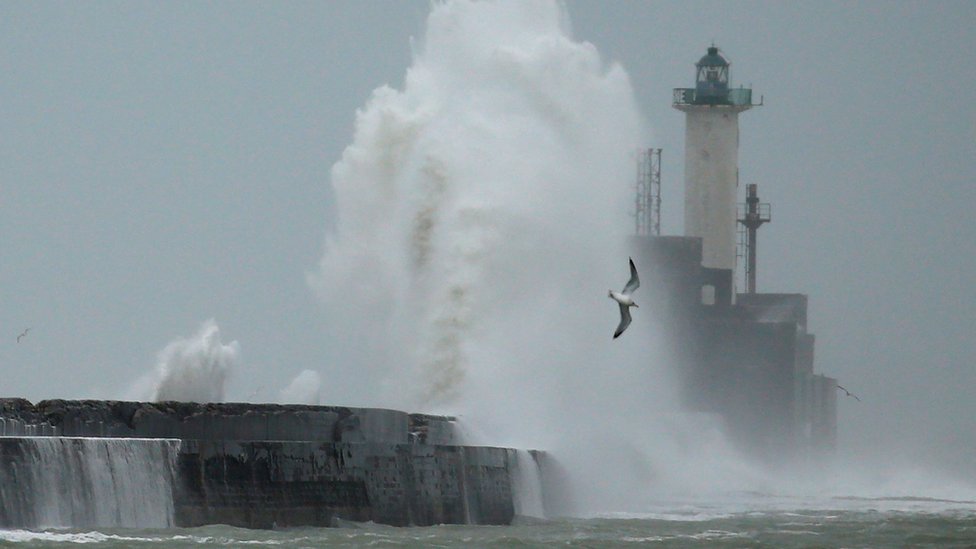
737	520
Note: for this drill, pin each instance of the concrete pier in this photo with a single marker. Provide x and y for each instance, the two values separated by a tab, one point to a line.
267	465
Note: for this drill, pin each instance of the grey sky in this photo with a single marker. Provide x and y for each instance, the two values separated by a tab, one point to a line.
165	163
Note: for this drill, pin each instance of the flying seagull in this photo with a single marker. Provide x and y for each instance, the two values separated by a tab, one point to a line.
850	394
22	335
624	299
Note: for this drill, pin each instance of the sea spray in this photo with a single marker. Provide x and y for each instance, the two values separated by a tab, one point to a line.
195	369
496	176
303	389
527	486
482	216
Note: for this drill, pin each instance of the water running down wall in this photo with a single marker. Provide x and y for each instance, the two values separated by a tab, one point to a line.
58	482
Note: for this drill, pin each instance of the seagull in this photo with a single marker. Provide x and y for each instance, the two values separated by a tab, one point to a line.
625	301
22	335
850	394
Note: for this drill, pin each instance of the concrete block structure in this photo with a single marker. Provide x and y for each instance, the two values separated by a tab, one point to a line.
751	362
248	465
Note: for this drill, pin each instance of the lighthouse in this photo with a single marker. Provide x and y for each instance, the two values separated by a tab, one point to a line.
712	169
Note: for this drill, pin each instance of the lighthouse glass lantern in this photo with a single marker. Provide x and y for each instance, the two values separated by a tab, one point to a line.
712	81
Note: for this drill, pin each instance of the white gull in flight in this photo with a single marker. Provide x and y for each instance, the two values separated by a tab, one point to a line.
624	299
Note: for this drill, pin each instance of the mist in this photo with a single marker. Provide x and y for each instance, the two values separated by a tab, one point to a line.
303	389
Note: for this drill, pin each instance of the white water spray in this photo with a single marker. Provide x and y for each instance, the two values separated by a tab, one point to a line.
304	389
482	215
195	369
527	484
493	184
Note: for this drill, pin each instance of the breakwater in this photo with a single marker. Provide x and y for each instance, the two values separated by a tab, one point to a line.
92	463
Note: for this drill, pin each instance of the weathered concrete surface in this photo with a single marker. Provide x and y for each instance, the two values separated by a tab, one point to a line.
262	484
224	421
264	466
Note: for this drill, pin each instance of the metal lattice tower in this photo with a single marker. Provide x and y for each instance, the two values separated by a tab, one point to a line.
647	203
751	216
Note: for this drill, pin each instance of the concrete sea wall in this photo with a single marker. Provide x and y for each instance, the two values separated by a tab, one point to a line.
257	466
263	484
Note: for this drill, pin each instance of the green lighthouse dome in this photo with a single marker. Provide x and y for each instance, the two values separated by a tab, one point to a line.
712	78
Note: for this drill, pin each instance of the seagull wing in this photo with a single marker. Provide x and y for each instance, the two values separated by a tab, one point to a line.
634	281
624	321
850	394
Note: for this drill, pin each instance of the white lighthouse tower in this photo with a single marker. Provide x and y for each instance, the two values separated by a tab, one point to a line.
712	168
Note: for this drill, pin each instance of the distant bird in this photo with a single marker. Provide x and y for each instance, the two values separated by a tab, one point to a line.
850	394
22	335
624	299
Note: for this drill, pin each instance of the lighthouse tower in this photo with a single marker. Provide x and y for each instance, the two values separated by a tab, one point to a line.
712	169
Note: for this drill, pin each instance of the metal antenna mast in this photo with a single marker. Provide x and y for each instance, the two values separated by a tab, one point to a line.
647	206
752	215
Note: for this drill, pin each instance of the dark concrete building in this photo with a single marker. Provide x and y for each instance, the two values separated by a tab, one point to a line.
750	360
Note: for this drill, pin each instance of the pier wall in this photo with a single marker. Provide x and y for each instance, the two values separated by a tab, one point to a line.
261	466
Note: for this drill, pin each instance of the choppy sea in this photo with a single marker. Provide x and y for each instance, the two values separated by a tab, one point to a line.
750	520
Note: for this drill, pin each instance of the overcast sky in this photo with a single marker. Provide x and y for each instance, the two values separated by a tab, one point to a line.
166	163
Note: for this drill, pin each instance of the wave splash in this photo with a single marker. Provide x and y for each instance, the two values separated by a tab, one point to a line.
195	369
484	194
